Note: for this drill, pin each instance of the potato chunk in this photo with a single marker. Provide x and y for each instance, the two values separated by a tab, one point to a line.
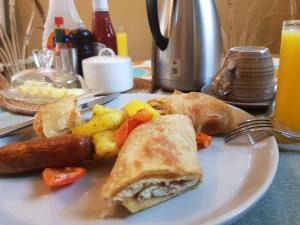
99	110
97	124
136	105
105	145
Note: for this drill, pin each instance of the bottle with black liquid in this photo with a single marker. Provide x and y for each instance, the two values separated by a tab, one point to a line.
82	40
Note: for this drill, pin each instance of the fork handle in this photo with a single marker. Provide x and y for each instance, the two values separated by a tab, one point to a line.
287	135
16	127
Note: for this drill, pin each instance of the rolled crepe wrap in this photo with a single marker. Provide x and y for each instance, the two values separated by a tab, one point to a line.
157	162
208	114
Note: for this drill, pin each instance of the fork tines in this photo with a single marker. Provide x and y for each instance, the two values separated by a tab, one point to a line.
251	125
247	122
255	130
253	135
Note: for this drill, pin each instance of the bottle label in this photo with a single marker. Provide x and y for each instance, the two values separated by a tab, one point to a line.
100	5
51	39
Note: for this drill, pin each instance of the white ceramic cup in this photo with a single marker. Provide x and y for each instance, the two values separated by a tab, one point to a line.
108	73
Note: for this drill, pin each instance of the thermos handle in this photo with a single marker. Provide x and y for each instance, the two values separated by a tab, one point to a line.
152	11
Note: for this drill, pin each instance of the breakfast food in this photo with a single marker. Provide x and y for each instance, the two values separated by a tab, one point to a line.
158	161
46	90
57	118
40	153
111	127
208	114
99	123
60	177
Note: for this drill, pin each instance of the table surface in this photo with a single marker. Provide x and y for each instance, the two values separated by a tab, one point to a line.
280	205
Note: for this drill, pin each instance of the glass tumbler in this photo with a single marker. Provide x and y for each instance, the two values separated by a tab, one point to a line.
122	41
287	105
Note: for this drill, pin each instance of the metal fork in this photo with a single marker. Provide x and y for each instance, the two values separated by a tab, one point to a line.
257	129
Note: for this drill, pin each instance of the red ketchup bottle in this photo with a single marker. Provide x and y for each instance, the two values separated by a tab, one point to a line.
102	28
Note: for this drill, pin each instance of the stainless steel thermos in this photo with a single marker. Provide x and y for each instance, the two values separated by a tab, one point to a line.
187	43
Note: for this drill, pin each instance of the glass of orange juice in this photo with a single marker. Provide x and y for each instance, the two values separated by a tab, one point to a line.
287	105
122	41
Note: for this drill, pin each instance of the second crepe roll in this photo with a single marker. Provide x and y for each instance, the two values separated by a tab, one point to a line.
208	114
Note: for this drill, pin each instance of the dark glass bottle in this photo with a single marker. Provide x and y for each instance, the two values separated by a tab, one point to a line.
82	40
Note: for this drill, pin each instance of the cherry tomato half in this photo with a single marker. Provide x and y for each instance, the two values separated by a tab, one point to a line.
58	177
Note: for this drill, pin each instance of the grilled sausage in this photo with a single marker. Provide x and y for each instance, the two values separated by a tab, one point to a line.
37	154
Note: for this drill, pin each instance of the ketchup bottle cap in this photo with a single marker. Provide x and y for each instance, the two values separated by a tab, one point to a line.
59	20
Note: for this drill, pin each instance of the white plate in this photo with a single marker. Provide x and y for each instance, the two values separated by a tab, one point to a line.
235	178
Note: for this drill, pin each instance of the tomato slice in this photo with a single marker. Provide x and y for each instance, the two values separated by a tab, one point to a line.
58	177
124	130
143	116
131	123
203	140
